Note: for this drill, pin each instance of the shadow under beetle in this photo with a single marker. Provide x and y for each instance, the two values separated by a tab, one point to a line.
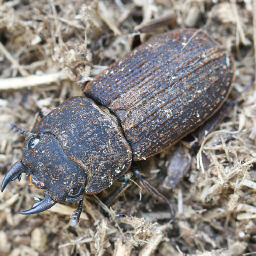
145	102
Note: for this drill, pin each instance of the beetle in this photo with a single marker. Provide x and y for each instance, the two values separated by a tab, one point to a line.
147	101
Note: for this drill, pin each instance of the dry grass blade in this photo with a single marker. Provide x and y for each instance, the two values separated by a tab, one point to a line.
31	81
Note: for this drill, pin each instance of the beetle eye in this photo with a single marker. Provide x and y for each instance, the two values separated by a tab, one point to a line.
74	192
33	142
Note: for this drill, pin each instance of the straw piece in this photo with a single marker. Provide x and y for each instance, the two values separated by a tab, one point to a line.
30	81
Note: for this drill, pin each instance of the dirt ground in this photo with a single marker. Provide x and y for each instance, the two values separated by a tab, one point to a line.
48	49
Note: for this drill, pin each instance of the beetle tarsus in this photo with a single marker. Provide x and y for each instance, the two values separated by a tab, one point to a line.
74	218
15	173
41	205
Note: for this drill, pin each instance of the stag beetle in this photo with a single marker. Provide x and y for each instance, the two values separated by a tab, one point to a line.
145	102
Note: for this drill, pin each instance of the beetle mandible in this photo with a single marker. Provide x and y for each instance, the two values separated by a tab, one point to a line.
143	103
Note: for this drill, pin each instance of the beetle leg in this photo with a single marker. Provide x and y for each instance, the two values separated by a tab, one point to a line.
125	183
74	218
135	41
150	25
164	20
153	191
99	44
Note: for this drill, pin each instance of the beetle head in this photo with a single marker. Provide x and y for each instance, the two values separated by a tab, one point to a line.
50	169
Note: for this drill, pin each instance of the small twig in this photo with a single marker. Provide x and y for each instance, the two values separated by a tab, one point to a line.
77	242
13	61
106	17
56	23
29	81
9	202
238	23
69	23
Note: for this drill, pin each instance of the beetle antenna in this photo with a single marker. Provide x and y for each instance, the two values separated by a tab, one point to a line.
15	128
